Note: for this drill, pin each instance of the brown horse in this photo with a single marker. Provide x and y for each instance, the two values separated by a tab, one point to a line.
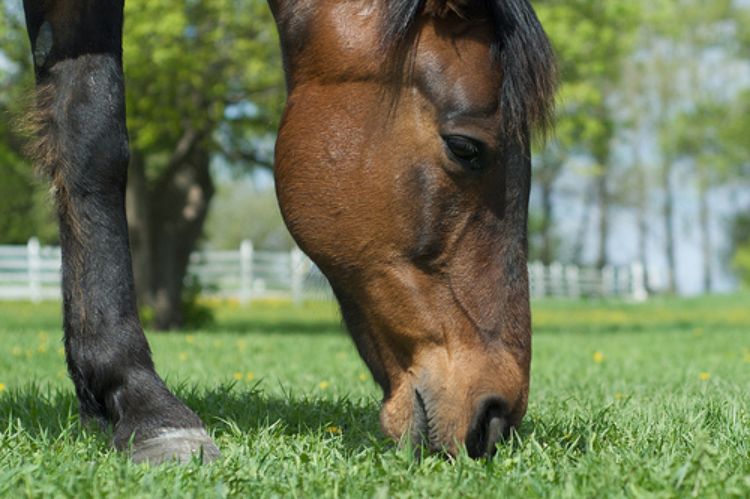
402	168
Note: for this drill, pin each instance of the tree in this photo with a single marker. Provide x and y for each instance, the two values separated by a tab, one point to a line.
698	139
202	78
734	137
544	243
685	114
591	39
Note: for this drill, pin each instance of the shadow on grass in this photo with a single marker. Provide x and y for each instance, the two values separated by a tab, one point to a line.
613	329
224	409
282	327
52	413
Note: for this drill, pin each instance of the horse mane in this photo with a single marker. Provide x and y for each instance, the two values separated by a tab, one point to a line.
521	47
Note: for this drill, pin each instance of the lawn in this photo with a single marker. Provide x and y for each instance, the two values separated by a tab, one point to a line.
627	400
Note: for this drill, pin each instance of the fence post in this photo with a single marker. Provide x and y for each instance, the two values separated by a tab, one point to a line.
608	281
538	285
638	280
246	271
556	279
572	279
33	252
297	274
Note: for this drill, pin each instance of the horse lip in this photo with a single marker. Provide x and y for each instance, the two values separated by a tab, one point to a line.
421	427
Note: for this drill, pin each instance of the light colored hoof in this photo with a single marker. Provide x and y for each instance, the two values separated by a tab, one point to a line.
175	445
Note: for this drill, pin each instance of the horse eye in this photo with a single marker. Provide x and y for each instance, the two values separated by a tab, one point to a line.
467	151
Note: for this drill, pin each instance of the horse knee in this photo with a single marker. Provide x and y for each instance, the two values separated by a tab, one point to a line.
78	132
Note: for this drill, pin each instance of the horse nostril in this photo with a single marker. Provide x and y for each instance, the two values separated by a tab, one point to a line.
490	424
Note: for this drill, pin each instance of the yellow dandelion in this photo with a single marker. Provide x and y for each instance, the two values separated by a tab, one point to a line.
598	357
250	376
2	387
619	396
237	376
362	376
704	376
42	348
183	356
29	354
61	373
60	351
16	351
43	336
324	384
334	429
746	354
190	339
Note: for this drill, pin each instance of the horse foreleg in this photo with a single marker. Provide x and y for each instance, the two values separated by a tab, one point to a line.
81	143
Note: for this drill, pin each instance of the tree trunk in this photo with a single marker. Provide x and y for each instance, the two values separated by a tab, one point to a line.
165	224
547	254
642	221
179	208
548	170
139	227
603	205
704	217
668	221
583	226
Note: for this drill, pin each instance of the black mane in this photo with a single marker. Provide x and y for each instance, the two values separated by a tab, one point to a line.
521	47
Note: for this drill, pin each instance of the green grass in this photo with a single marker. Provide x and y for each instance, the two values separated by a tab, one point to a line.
627	400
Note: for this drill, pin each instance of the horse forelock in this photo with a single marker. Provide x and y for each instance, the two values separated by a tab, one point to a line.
441	8
521	47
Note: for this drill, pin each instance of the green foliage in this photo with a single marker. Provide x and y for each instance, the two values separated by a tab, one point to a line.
17	199
25	210
741	263
620	406
591	40
536	230
734	136
196	314
211	68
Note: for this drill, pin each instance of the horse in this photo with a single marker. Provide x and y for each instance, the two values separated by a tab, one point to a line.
402	169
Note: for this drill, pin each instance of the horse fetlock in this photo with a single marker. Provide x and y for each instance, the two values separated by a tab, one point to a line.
123	391
143	408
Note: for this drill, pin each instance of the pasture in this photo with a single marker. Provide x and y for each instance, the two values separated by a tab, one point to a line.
626	400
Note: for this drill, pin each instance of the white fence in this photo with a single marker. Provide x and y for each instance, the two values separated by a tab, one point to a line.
249	274
576	282
32	272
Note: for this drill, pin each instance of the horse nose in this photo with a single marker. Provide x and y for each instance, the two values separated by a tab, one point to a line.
489	425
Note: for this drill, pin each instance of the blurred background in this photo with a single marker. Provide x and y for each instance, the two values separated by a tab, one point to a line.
642	189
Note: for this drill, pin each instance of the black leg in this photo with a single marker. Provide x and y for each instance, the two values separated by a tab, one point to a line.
81	143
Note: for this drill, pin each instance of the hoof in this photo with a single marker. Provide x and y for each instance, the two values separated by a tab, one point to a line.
175	445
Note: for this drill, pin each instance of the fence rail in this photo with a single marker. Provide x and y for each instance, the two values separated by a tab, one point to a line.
32	272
